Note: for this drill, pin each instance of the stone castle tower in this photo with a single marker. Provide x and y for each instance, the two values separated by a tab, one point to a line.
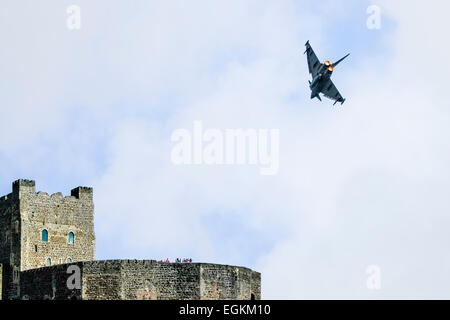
39	230
42	235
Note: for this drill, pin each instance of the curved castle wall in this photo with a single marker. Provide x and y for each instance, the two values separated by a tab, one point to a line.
143	280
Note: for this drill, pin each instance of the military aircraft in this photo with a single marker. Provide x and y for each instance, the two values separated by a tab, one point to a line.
321	74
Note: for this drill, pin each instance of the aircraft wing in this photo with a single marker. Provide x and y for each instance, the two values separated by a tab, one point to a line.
329	90
313	62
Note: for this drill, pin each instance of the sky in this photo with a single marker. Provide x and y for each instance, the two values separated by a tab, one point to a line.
359	186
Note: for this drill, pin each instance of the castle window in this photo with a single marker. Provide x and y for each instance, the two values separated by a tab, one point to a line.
15	275
69	260
49	262
71	238
44	235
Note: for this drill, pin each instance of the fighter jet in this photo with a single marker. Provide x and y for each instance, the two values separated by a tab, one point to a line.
321	74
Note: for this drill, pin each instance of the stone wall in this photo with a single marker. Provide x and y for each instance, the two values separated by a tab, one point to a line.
10	233
256	286
221	282
59	216
48	283
152	280
101	280
1	280
8	208
143	280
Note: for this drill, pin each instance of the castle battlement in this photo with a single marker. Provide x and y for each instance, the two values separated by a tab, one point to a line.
5	198
24	183
57	195
23	186
82	192
28	188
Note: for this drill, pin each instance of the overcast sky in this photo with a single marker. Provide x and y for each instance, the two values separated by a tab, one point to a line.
358	185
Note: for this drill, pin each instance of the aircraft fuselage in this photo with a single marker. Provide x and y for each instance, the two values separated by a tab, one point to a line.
320	80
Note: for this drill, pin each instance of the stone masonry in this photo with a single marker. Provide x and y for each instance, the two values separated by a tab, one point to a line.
142	280
42	235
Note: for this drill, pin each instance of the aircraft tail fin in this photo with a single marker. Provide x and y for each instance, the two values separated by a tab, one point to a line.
339	61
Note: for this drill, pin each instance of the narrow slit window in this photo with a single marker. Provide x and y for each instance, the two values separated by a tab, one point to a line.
71	238
44	235
48	263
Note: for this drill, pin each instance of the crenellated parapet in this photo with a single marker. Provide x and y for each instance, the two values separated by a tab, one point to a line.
23	187
82	193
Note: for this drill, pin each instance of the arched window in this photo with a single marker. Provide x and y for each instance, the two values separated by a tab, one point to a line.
252	297
44	235
49	262
69	260
71	238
